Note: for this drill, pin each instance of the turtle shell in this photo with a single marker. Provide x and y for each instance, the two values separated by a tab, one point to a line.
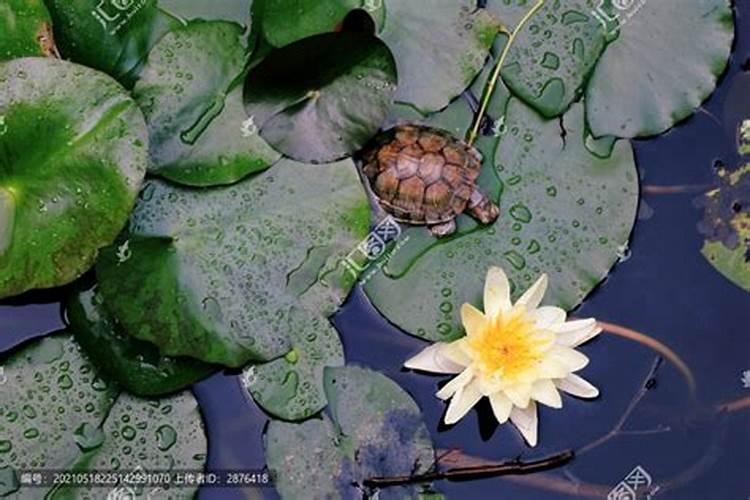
421	175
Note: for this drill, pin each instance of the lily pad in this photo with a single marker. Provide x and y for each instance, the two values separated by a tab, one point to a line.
228	10
58	414
565	211
726	225
135	365
63	198
190	91
286	21
213	274
637	90
291	387
113	36
553	54
25	30
375	430
439	50
322	98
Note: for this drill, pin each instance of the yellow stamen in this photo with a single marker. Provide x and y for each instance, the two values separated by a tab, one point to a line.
508	346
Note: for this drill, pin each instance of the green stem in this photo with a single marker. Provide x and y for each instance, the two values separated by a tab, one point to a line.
490	89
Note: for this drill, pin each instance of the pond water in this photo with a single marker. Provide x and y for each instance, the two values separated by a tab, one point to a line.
665	289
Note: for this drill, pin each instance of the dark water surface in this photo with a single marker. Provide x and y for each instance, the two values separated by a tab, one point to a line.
665	289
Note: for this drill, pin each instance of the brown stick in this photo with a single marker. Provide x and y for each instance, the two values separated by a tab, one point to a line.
474	472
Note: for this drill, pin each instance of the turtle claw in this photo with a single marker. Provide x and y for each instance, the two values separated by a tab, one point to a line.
444	229
482	208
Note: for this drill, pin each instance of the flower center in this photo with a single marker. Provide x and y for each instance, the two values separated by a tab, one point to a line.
509	346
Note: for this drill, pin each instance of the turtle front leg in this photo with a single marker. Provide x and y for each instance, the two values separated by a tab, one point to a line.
444	229
482	208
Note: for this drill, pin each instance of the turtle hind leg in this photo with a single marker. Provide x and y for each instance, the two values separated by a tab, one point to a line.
482	208
443	229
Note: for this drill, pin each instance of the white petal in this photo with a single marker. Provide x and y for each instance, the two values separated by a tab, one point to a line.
532	297
526	421
456	351
461	403
431	359
473	319
496	292
577	386
501	407
553	368
572	359
546	393
577	324
455	384
519	394
549	317
575	337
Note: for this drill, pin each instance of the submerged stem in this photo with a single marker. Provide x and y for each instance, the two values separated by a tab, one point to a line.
492	83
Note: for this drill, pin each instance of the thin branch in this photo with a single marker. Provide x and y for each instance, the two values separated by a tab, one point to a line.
678	189
492	83
474	472
646	386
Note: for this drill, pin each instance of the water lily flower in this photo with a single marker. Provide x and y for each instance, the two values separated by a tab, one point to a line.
514	354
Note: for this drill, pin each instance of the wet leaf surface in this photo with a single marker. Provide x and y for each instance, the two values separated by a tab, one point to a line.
63	198
291	387
191	94
553	54
322	98
637	89
374	429
135	365
25	29
565	211
56	413
214	274
112	36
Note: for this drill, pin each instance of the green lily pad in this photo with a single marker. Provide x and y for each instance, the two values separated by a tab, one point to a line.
291	387
113	36
509	12
25	30
726	225
553	54
213	274
63	198
228	10
375	430
637	90
565	211
322	98
439	50
56	413
190	91
135	365
286	21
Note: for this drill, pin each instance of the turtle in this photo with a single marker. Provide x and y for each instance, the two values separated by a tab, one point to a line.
422	175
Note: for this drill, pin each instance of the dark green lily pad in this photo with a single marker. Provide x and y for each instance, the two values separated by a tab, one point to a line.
113	36
322	98
566	212
58	414
63	198
375	430
291	387
637	88
726	225
190	91
135	365
213	274
25	30
553	54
